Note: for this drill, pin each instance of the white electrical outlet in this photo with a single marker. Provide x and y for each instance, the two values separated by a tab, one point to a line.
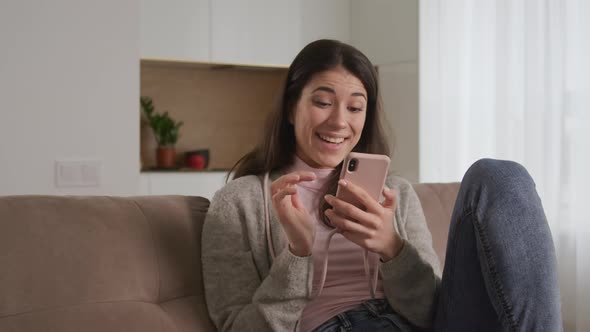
78	173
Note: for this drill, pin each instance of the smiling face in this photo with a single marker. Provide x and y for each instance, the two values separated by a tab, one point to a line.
329	117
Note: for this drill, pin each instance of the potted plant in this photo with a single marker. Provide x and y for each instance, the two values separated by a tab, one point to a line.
166	131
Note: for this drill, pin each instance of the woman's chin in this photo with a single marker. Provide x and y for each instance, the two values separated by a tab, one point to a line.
331	162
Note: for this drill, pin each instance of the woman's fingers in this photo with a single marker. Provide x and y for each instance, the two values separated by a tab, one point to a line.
349	211
306	176
380	238
291	178
283	192
296	201
371	228
295	220
365	237
286	185
390	198
346	225
371	204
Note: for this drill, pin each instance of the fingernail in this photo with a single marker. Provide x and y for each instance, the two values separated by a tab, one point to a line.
328	197
342	183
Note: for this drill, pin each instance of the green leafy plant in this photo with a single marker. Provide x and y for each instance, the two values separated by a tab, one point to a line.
165	128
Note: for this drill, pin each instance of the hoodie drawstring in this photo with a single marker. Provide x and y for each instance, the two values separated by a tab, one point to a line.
372	281
267	218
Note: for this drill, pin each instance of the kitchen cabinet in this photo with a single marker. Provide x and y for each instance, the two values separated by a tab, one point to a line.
326	19
272	32
255	32
175	29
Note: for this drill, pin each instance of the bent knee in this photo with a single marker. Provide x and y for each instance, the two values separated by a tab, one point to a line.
506	173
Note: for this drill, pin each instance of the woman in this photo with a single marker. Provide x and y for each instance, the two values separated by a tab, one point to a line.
267	234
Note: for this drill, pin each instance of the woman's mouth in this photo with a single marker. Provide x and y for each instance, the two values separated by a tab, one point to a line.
333	140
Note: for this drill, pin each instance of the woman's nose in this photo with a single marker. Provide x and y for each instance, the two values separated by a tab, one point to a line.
338	116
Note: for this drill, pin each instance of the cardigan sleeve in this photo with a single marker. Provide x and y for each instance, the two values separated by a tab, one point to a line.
239	297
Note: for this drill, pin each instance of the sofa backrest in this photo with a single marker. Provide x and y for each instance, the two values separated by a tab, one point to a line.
101	264
121	264
438	200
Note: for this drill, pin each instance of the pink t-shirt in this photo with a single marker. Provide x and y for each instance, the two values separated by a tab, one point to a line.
346	284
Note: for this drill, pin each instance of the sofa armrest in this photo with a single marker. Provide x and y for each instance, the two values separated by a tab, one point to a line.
438	201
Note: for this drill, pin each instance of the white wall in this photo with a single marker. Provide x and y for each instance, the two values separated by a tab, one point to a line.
387	32
69	85
69	89
400	91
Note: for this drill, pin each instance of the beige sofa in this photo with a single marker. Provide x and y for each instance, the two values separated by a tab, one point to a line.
120	264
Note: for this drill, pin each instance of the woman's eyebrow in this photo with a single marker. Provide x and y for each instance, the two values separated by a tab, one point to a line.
359	94
324	88
330	90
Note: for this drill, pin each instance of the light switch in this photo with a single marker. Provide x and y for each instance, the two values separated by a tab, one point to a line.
77	173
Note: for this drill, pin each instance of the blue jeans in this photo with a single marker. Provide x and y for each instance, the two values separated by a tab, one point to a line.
501	271
371	316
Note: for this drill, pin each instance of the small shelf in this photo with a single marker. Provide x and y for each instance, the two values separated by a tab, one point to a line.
223	107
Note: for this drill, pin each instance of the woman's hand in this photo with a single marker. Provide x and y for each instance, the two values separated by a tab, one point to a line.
293	216
371	229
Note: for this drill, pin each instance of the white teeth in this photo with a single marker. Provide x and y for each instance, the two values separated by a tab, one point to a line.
331	139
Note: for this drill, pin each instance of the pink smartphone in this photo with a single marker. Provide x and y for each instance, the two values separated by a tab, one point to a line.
368	171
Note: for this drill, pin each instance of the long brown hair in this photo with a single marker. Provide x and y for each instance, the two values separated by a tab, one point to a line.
277	148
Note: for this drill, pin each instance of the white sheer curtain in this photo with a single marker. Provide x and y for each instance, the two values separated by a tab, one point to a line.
510	79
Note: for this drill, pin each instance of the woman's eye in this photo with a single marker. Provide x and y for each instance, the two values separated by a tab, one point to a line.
321	103
355	109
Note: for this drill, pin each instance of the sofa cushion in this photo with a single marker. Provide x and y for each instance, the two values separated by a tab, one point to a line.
140	254
92	317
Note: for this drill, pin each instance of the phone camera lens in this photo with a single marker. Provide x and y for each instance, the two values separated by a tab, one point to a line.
352	165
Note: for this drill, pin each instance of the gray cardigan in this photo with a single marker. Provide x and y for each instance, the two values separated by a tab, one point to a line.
246	290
